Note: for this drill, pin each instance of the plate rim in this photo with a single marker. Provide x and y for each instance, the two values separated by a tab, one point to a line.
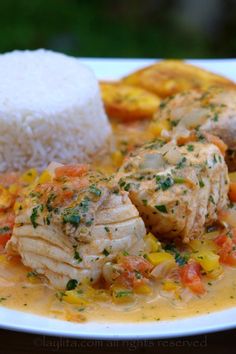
190	326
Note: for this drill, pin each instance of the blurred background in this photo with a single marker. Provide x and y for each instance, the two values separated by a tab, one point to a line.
124	28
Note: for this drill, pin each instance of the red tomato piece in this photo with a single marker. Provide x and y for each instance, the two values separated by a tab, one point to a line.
191	277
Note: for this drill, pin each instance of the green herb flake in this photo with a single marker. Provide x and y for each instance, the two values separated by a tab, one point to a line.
105	252
161	208
216	117
71	216
94	190
123	293
201	183
181	164
164	182
34	215
190	147
4	230
77	257
72	284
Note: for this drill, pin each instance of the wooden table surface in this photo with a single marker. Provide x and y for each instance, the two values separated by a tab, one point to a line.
22	343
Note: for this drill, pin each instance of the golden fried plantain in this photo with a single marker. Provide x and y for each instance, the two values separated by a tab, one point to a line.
169	77
128	103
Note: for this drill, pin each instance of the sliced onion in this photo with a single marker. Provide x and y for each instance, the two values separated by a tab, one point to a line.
153	161
162	269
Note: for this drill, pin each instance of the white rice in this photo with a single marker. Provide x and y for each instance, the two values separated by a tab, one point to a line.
50	110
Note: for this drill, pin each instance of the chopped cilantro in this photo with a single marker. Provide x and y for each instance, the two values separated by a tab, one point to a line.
51	198
32	274
216	117
127	187
71	216
201	183
164	182
123	293
179	180
94	190
211	199
161	208
190	147
181	164
4	229
145	202
77	257
105	252
181	259
72	284
34	215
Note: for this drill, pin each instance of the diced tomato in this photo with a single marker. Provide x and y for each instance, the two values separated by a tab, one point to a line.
6	227
226	252
191	277
71	171
3	240
218	142
137	263
135	271
232	192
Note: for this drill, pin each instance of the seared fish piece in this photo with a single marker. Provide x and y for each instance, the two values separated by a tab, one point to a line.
213	111
177	189
68	227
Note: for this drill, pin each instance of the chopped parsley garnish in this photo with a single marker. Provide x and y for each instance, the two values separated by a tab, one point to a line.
72	217
161	208
174	123
32	274
181	164
34	215
181	259
164	182
51	198
201	183
179	180
105	252
106	228
94	190
84	205
121	183
125	253
215	159
4	229
138	275
162	104
123	293
72	284
211	199
216	117
190	147
127	187
77	257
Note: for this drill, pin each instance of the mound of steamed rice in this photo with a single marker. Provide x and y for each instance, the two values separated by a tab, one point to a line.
50	110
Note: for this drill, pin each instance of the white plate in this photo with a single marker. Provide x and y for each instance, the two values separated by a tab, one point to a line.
20	321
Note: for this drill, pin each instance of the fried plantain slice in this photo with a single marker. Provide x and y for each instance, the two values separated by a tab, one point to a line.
128	103
169	77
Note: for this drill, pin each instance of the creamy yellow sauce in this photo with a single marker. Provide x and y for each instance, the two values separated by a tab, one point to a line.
21	292
18	292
